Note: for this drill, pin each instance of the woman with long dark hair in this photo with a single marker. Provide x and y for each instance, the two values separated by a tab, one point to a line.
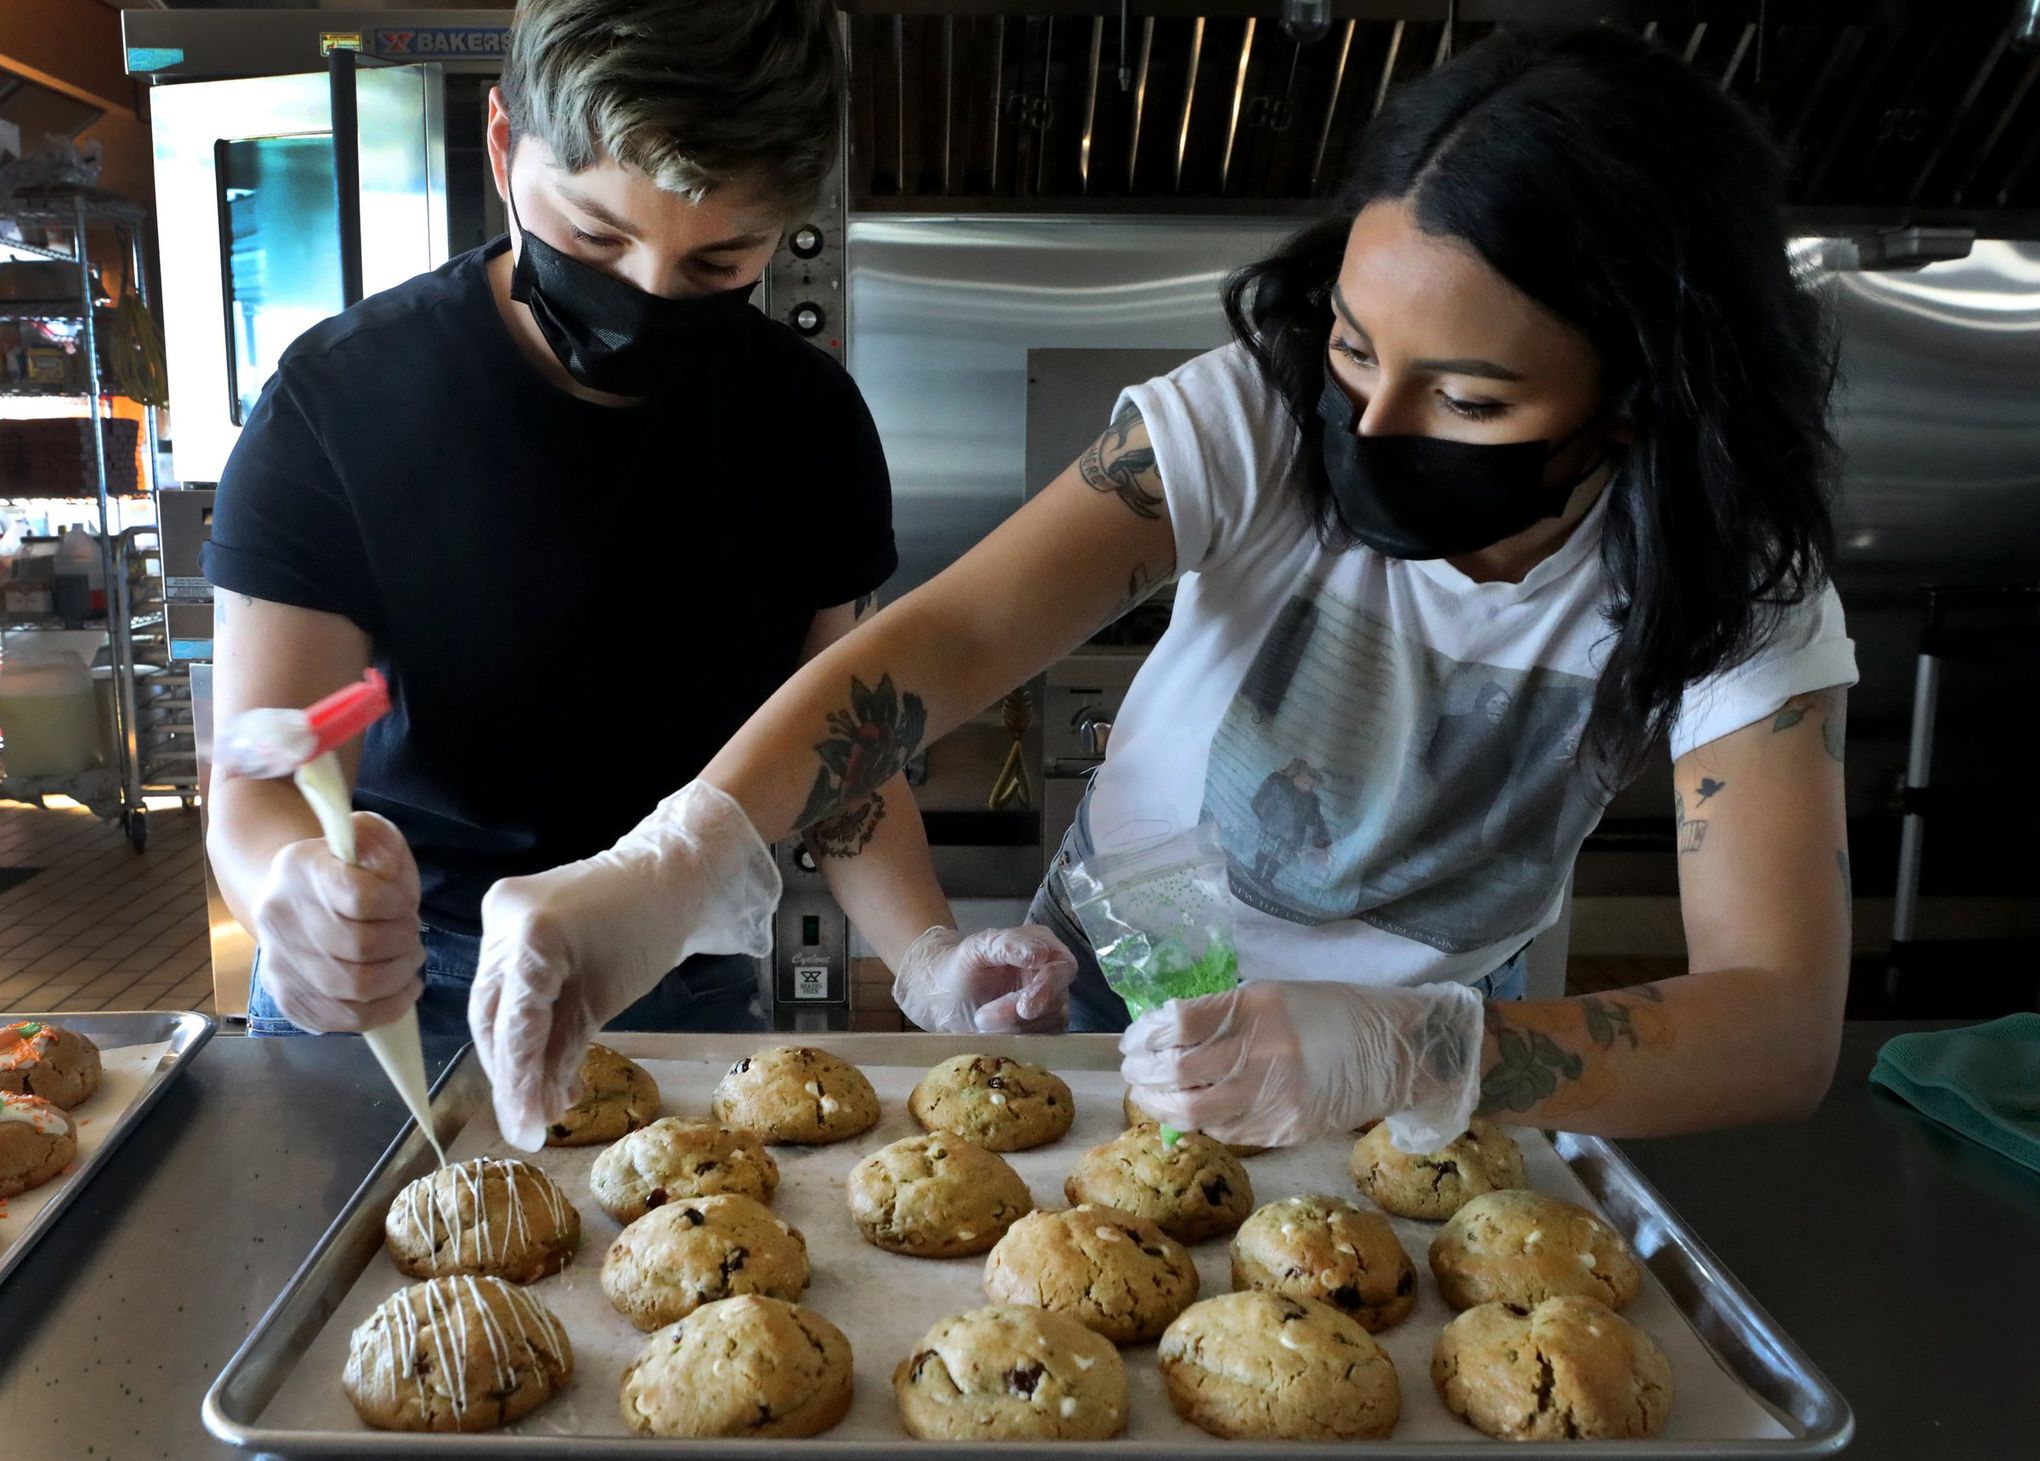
1517	470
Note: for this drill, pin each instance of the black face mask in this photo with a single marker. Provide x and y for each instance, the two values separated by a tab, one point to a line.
612	336
1425	497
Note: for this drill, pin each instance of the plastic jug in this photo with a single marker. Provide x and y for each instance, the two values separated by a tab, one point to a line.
81	577
47	715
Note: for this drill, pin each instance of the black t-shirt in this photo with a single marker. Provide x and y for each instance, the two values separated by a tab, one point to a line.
576	605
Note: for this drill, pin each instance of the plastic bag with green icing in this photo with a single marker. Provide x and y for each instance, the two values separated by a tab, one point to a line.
1160	917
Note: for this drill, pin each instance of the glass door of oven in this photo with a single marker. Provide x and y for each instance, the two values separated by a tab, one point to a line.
250	227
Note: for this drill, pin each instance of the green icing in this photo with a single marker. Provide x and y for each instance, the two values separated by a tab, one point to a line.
29	1028
1147	973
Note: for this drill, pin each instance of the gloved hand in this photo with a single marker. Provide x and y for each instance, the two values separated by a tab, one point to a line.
340	945
565	951
996	981
1274	1064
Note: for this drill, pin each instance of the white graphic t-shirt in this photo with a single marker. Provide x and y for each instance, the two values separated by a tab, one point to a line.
1388	747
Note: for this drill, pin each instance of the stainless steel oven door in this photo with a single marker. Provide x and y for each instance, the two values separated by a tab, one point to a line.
249	228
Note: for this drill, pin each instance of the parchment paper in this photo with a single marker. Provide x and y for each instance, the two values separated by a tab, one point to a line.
124	1070
885	1302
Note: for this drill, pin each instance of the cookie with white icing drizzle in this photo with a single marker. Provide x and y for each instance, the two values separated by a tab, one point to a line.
489	1215
37	1141
456	1354
41	1059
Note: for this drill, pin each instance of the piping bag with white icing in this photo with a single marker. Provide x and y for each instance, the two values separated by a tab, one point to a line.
300	744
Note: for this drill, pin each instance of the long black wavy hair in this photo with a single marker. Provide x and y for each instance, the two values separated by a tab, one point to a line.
1625	194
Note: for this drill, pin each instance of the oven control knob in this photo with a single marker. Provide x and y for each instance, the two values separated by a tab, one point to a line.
806	241
807	318
1093	731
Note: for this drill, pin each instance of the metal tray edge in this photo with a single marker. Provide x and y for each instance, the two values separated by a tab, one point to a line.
188	1031
1824	1411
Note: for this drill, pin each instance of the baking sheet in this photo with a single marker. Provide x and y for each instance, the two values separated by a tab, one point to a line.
138	1051
885	1302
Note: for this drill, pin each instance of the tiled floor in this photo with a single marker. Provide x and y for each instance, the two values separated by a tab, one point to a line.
101	926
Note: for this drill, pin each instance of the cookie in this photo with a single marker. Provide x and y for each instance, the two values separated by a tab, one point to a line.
1193	1190
488	1215
37	1141
675	1158
794	1096
1137	1117
1520	1247
748	1366
1008	1372
677	1258
456	1354
1327	1249
999	1104
935	1196
1109	1270
1567	1369
1259	1366
1436	1184
617	1096
41	1059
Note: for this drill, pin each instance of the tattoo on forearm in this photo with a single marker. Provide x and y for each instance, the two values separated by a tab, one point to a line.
1110	464
1530	1068
1691	830
1534	1066
1607	1022
866	747
849	831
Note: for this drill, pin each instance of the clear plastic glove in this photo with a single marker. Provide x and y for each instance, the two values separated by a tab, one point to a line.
565	951
997	981
1274	1064
340	944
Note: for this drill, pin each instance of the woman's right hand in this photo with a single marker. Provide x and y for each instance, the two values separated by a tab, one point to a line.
340	945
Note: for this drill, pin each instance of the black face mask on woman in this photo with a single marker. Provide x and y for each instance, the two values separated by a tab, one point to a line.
1425	497
610	335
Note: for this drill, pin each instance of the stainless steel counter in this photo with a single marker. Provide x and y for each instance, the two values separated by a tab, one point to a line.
1899	1256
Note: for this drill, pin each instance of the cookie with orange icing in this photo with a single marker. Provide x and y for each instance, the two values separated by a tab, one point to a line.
37	1141
41	1059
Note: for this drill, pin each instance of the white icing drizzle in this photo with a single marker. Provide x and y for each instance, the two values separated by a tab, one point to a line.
440	1299
30	1111
425	1210
17	1049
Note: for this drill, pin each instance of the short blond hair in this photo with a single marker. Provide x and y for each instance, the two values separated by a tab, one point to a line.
695	94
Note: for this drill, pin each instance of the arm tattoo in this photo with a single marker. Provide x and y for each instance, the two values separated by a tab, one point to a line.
862	606
848	832
1692	830
1848	883
1533	1066
867	745
1530	1068
1128	472
1141	585
1834	708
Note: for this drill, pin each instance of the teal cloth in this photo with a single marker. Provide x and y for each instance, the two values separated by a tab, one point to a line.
1983	1081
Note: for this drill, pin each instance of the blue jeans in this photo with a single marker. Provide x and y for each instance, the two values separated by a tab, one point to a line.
1093	1005
710	993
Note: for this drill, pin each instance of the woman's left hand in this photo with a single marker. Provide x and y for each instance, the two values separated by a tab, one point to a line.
1273	1063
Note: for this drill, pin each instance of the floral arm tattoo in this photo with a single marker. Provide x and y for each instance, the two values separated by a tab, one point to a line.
868	744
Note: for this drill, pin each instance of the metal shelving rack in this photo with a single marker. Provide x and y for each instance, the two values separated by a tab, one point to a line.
151	748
